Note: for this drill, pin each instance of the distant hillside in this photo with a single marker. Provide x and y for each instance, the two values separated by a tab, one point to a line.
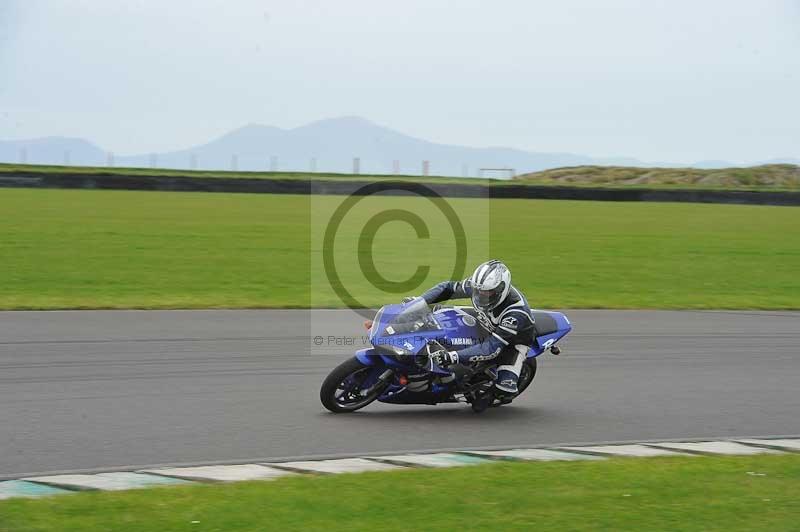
52	151
778	176
323	146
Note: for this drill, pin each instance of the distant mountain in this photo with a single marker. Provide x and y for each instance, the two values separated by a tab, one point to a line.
331	145
52	150
783	160
326	146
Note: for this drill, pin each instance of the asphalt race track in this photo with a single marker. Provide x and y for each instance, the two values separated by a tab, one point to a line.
92	390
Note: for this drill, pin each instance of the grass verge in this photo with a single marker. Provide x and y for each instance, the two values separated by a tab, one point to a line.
122	249
37	169
675	494
770	177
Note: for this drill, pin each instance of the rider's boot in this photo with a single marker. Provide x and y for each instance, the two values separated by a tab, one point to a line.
506	386
507	377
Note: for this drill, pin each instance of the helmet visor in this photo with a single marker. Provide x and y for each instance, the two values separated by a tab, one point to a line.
487	299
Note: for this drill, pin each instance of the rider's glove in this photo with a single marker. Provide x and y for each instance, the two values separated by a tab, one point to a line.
408	299
444	358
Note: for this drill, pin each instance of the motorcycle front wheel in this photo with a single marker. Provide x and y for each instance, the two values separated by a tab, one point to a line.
341	391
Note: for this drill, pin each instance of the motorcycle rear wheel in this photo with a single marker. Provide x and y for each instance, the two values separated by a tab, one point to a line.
340	389
527	373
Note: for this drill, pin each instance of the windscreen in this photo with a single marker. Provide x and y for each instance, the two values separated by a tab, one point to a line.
413	317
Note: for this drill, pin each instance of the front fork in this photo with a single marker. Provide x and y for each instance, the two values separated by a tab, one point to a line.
382	382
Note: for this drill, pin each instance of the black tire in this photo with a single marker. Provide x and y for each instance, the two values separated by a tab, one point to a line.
526	375
333	382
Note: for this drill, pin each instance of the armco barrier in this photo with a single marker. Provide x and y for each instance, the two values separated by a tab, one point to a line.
344	187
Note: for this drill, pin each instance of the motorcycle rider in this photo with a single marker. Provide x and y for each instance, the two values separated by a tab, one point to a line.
502	311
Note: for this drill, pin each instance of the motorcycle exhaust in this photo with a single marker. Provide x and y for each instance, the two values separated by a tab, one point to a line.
417	383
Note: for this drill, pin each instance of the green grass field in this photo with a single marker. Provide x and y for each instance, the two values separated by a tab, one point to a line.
670	494
108	249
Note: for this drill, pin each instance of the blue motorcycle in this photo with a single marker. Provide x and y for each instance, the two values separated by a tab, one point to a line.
397	368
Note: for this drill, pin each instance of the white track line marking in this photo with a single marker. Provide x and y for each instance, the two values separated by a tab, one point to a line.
433	460
716	447
227	473
791	444
122	480
626	450
342	465
535	454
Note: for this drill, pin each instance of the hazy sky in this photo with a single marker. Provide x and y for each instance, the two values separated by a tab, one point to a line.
658	80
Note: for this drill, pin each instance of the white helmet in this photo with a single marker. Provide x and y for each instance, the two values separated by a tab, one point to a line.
490	285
